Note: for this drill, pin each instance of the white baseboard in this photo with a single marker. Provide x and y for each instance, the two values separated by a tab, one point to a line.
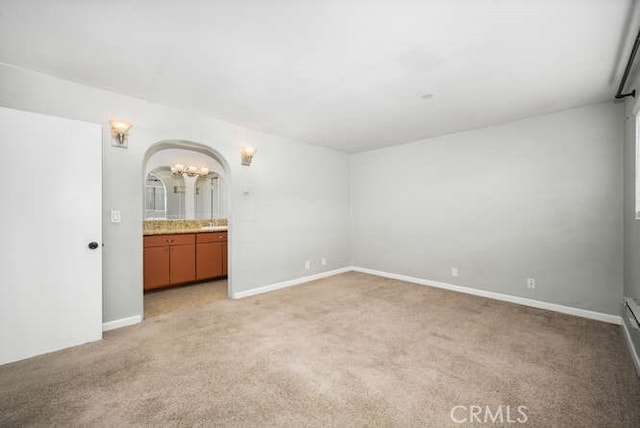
123	322
584	313
632	349
292	282
613	319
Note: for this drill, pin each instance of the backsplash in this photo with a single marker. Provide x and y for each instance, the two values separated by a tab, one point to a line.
156	226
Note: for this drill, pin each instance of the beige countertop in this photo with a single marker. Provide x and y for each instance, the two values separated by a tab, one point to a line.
180	231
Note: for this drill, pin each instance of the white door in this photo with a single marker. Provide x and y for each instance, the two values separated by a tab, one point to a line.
50	211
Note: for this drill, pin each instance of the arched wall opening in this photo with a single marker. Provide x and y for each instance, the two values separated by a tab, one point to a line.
219	166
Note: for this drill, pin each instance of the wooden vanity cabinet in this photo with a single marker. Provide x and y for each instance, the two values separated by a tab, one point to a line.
225	260
169	260
157	272
211	255
183	263
181	258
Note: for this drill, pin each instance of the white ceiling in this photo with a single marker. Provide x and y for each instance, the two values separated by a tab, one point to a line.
347	74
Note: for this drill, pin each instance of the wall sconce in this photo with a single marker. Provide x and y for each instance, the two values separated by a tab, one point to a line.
246	155
190	170
120	131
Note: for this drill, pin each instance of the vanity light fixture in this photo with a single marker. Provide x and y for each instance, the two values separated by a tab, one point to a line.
246	155
120	131
190	170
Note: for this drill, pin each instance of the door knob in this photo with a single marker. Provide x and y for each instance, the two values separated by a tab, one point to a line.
93	245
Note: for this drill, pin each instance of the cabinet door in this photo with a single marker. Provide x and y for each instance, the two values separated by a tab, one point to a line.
224	259
156	267
209	260
183	263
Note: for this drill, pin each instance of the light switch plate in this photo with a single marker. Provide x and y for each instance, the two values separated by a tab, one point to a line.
115	216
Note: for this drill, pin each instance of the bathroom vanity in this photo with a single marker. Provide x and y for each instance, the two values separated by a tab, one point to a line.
185	225
179	258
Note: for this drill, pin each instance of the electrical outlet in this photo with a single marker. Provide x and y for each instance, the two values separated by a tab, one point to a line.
531	283
323	261
455	271
307	264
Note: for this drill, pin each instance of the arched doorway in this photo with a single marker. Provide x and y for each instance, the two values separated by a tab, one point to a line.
192	200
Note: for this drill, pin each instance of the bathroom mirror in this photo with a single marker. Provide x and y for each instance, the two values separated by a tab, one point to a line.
164	195
171	196
155	198
208	198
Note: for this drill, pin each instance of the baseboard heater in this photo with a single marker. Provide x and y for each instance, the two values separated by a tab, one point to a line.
632	311
631	324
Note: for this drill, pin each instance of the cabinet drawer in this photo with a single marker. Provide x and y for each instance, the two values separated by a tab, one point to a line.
162	240
211	237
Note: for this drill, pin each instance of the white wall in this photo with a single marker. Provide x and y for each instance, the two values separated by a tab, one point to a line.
539	197
291	205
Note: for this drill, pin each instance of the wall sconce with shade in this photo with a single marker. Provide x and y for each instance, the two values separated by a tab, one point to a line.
246	155
120	132
191	171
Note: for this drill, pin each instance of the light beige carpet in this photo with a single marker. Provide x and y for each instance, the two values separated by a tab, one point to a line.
351	350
